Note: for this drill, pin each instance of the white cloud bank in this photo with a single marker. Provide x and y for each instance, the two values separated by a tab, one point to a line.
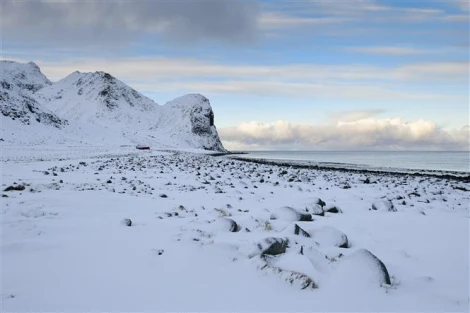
367	134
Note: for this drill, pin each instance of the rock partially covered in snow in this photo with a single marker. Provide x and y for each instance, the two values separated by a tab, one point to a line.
270	246
318	201
330	236
361	268
331	208
287	213
383	205
315	209
226	224
299	231
126	222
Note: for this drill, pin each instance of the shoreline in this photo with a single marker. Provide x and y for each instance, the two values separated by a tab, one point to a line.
297	164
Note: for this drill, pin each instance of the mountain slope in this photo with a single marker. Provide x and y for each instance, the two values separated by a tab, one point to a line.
97	97
98	109
18	82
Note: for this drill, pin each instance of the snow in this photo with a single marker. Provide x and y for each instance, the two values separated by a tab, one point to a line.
65	248
97	109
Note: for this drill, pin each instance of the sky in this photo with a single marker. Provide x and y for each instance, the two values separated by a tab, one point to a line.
296	75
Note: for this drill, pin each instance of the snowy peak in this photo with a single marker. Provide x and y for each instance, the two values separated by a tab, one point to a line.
18	82
27	77
97	95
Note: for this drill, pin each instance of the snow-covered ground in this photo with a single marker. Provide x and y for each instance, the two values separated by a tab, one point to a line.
215	234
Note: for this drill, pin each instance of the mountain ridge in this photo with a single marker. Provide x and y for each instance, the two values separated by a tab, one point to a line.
98	108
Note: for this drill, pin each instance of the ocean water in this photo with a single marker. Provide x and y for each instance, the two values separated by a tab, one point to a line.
458	161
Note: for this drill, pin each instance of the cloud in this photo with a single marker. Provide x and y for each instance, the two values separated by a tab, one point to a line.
387	50
278	20
314	81
110	22
368	133
164	68
355	115
464	5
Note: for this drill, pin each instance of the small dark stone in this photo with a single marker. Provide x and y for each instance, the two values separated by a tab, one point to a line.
163	195
15	188
109	181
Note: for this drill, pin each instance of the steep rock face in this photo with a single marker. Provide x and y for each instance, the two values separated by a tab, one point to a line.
190	120
18	82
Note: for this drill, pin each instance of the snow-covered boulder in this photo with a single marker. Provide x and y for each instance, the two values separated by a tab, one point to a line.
360	269
287	213
315	209
330	236
383	205
270	246
226	224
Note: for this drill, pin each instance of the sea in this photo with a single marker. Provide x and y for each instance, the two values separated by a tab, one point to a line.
452	161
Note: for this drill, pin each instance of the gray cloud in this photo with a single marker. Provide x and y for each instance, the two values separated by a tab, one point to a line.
368	133
111	22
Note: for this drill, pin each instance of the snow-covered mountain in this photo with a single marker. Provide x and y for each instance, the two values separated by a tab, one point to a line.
98	109
18	82
189	121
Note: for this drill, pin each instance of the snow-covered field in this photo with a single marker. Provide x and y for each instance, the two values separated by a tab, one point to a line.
215	234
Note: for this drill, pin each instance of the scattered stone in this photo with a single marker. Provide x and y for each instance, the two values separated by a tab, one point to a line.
15	188
162	195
